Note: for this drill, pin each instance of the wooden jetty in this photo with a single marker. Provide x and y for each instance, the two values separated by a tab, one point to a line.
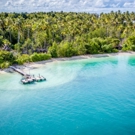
27	77
19	71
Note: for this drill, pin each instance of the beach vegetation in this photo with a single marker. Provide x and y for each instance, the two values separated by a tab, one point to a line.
5	64
40	36
21	59
39	57
6	59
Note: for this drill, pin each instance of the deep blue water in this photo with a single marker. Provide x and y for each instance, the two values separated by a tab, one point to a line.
81	97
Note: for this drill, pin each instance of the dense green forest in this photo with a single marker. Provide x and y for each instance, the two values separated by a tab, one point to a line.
39	36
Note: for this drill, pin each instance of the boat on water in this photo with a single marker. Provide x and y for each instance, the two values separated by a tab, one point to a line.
40	78
31	79
27	78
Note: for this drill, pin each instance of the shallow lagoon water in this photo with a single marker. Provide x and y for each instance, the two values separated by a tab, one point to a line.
80	97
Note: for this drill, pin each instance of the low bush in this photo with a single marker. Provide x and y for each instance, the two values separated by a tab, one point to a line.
23	59
39	57
5	64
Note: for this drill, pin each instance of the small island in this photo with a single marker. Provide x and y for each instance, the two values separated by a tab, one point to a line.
67	67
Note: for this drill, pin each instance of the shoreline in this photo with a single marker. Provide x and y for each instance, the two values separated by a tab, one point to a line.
33	65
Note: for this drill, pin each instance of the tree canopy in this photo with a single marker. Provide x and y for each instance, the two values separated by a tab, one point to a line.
65	34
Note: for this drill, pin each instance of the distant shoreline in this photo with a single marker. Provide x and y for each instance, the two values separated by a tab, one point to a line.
33	65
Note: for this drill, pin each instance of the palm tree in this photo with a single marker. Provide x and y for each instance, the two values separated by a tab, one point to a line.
18	27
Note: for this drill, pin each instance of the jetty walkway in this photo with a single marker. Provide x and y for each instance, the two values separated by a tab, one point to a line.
19	71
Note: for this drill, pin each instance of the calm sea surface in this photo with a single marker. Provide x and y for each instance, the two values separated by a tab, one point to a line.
80	97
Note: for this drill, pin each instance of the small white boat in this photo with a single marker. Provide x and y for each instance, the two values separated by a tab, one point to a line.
38	79
43	78
24	81
31	79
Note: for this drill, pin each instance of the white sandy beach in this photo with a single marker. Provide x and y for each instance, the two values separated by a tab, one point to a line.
33	65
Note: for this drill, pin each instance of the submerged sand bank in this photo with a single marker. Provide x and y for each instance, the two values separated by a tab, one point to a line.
33	65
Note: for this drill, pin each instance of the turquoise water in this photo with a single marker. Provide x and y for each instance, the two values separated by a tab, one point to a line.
80	97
